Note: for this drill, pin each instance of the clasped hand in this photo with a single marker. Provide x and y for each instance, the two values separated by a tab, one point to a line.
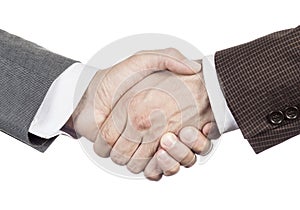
150	112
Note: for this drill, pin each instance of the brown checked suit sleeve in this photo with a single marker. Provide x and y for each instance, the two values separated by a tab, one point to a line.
261	83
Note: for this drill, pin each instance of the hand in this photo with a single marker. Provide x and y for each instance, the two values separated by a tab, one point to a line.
107	87
180	150
162	102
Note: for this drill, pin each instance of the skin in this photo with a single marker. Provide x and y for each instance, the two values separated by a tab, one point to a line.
181	151
108	85
128	108
163	102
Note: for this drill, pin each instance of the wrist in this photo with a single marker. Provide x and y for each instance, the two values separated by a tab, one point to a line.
84	111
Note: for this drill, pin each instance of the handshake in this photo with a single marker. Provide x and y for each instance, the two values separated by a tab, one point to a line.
150	112
153	111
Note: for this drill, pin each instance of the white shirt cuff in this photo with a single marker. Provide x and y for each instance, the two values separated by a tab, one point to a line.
222	114
61	99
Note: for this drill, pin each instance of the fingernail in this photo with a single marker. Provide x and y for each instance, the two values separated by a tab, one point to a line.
195	66
188	134
168	140
162	155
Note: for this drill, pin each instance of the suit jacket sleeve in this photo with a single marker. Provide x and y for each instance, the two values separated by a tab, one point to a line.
26	73
261	83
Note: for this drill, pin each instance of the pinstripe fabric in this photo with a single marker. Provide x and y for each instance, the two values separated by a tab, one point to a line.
259	77
26	73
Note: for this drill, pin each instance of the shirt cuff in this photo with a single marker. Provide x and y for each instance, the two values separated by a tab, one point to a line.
61	99
222	114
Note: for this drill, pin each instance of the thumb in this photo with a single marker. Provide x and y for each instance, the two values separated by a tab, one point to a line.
169	59
120	78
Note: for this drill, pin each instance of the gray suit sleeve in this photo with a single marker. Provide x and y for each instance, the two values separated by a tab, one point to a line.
26	73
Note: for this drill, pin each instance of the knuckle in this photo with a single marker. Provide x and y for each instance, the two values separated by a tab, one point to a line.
139	122
141	52
186	159
172	170
201	146
107	134
142	123
117	158
197	148
100	150
134	168
135	60
152	173
172	50
154	177
190	163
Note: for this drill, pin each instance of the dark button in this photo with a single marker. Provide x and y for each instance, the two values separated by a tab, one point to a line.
276	118
291	113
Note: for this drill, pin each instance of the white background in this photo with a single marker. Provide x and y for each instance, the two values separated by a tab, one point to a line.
63	177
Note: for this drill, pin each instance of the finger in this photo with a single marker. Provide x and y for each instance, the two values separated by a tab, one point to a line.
108	134
179	151
153	171
137	67
149	145
151	61
211	131
168	165
195	140
170	59
123	150
142	156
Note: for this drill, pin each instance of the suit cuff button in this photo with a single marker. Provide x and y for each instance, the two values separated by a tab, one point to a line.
291	113
276	117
